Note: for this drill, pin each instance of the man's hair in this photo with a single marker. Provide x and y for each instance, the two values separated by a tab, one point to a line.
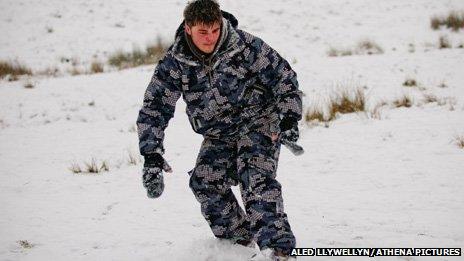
205	12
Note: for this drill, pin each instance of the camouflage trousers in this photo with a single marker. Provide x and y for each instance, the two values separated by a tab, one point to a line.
249	161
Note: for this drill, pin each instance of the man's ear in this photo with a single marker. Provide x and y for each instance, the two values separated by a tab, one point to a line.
187	29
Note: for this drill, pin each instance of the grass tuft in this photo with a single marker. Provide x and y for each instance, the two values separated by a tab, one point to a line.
75	168
430	98
404	101
91	167
25	244
454	21
152	54
29	85
410	82
342	101
444	43
14	69
96	67
366	47
376	111
346	101
369	47
314	115
459	141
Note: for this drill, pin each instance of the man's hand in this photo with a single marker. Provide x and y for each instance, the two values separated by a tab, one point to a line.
288	136
153	174
289	130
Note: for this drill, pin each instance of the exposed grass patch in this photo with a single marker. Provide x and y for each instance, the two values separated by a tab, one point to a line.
443	42
342	101
375	113
75	71
333	52
151	54
435	22
443	85
96	67
50	72
454	21
25	244
13	69
405	101
365	47
28	85
459	141
347	101
314	115
369	47
430	98
91	167
75	168
410	82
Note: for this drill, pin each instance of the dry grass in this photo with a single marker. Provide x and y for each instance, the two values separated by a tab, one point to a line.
430	98
75	168
25	244
314	115
444	43
454	21
404	101
365	47
375	113
91	167
75	71
435	22
346	101
13	69
50	72
28	85
342	101
137	57
369	47
96	67
410	82
333	52
443	85
459	141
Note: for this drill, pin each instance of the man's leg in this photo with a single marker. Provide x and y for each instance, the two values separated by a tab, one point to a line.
210	181
261	192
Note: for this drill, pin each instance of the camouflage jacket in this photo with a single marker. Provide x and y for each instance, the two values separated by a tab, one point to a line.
242	85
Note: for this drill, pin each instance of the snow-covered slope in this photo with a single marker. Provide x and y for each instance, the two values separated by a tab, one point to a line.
363	182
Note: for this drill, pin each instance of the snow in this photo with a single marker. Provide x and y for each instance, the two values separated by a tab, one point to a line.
396	181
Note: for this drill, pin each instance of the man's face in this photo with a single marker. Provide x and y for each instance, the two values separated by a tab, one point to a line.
204	36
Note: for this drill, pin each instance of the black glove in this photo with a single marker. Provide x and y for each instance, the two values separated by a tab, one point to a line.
153	174
289	130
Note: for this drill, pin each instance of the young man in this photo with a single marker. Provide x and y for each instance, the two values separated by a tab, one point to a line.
243	97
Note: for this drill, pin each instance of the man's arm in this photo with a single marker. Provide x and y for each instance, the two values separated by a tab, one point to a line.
275	73
158	106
